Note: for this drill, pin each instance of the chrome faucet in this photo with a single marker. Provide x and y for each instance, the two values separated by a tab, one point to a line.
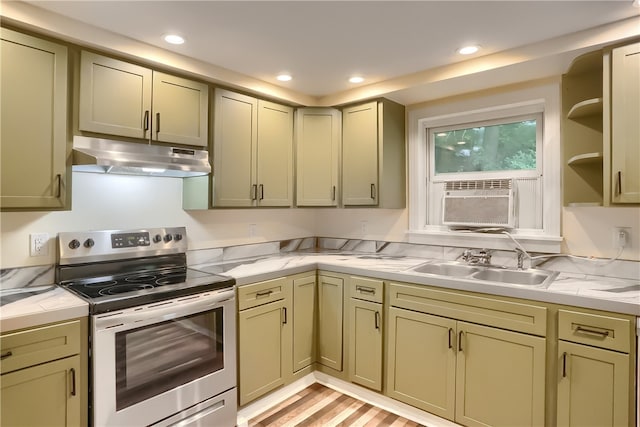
520	254
482	257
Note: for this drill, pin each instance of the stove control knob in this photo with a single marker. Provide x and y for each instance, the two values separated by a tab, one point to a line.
177	237
168	238
157	238
74	244
89	243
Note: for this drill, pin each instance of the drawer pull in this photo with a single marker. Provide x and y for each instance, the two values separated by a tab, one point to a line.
451	332
564	364
377	320
264	293
284	312
365	290
5	355
72	372
602	334
373	191
460	336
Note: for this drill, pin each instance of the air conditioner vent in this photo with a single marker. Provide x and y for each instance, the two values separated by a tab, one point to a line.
479	203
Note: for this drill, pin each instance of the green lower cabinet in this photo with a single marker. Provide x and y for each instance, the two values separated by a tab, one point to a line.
330	300
421	361
304	314
264	335
473	375
365	343
593	386
42	395
500	377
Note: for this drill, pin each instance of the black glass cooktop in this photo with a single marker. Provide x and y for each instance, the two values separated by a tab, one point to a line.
130	284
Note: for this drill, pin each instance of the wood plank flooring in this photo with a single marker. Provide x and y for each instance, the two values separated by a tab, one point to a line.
320	406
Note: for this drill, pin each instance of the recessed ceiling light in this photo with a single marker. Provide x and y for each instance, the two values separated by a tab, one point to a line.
356	79
284	77
173	39
468	50
636	3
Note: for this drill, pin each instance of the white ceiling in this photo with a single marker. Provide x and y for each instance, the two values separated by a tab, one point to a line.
322	43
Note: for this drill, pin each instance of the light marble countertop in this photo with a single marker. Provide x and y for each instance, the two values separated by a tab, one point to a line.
581	290
45	303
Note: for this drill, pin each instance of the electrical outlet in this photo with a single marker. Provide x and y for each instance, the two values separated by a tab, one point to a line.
39	244
252	230
621	237
363	227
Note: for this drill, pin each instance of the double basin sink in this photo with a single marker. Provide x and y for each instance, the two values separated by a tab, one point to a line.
495	274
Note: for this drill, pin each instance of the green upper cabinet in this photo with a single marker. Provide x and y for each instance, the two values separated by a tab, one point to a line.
625	124
253	152
123	99
373	155
33	123
318	140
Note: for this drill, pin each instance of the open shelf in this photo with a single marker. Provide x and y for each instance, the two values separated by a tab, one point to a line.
586	158
586	108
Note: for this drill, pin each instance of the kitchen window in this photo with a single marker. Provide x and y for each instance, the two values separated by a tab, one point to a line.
506	135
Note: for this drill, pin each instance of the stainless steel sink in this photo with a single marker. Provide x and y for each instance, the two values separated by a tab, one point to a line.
515	277
495	274
457	270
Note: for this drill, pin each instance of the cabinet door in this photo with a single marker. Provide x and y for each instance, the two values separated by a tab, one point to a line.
593	386
304	311
115	96
365	343
500	377
234	145
330	321
421	361
625	126
262	333
318	135
180	110
43	395
360	154
33	123
275	154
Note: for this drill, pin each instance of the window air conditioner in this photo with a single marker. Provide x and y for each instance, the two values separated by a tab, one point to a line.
479	203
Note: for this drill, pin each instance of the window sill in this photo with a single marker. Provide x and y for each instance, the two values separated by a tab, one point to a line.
531	242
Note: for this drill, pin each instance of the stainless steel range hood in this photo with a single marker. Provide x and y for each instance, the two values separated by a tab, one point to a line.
128	158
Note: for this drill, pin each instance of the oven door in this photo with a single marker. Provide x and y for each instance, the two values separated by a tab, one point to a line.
151	362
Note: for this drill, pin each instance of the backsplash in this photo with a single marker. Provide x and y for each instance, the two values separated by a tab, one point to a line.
45	274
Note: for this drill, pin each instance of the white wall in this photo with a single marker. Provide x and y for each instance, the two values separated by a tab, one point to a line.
103	202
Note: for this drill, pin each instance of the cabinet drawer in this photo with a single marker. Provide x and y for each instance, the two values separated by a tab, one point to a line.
613	333
366	289
515	316
39	345
261	293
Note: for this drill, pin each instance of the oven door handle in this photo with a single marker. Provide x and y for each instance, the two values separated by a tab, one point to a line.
164	310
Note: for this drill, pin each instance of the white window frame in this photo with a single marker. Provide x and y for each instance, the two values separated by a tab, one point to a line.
543	99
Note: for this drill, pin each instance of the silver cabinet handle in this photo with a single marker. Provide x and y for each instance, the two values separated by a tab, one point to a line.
588	331
145	121
72	372
254	192
377	320
373	191
5	355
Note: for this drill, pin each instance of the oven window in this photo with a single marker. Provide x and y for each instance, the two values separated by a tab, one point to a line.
162	356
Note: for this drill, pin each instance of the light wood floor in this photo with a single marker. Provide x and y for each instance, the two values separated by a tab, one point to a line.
320	406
